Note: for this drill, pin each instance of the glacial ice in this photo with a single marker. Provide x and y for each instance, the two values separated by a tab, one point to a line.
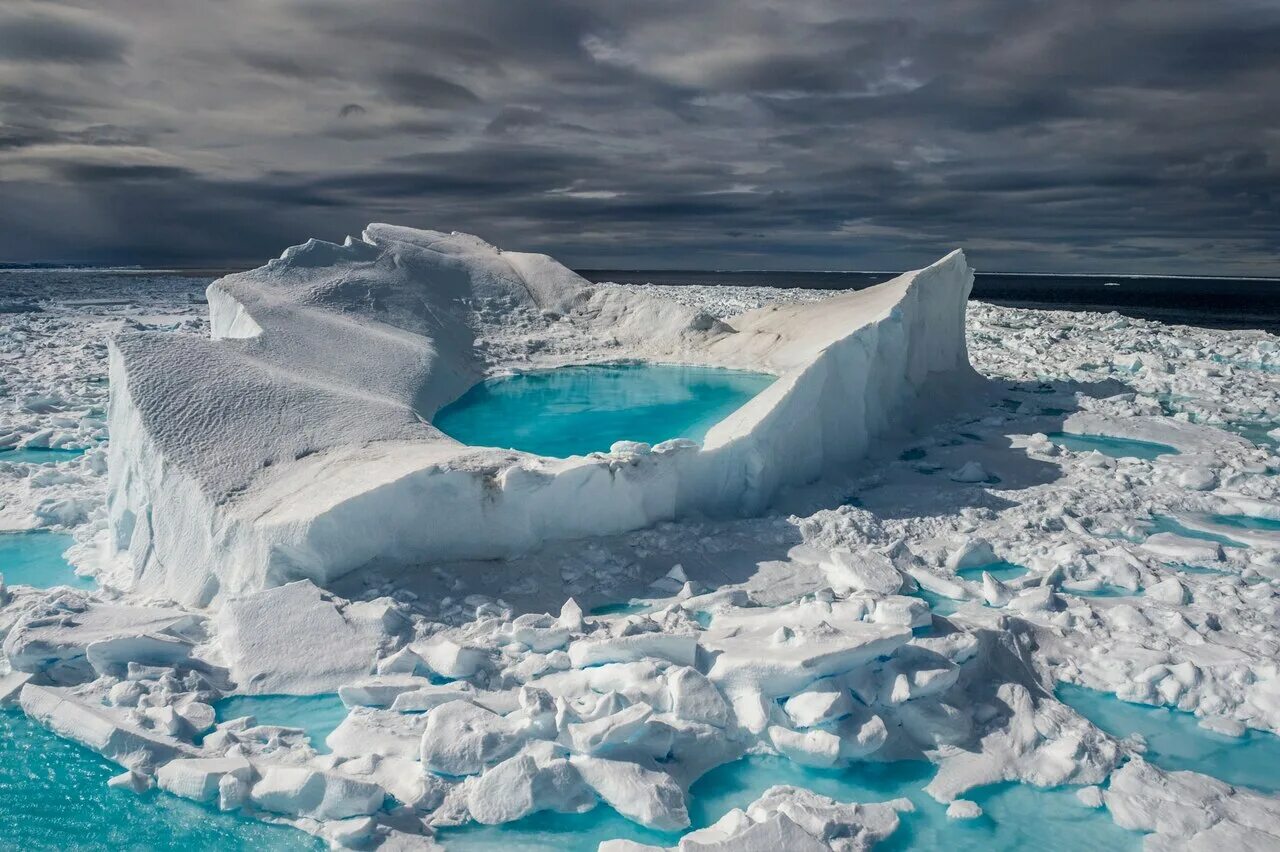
296	442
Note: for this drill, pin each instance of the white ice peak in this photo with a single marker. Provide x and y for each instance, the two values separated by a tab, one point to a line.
296	442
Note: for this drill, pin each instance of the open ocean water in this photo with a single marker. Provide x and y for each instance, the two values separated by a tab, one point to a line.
1228	303
1231	303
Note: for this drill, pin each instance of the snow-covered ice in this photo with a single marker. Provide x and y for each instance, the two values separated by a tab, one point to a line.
832	590
295	442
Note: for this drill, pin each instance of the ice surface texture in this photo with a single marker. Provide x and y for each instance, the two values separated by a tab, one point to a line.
296	442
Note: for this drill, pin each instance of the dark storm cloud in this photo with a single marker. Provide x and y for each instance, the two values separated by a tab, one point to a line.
40	34
1105	135
422	88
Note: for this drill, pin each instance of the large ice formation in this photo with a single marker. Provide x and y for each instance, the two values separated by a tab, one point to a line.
296	442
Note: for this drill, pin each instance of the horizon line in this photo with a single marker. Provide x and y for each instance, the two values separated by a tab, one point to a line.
31	266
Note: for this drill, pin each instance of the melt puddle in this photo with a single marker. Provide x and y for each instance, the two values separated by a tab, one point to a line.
578	410
1163	523
1246	522
942	605
1119	448
35	559
38	455
54	795
318	715
1001	571
1175	740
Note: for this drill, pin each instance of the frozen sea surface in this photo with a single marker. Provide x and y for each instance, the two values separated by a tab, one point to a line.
35	559
54	795
578	410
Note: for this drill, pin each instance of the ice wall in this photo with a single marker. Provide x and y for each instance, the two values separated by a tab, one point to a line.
296	442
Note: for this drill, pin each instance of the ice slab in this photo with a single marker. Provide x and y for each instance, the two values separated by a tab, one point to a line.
265	638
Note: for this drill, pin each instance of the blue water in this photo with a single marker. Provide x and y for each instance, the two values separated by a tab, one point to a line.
1105	590
626	608
1119	448
35	559
1255	432
1175	740
1163	523
578	410
942	605
1017	817
318	715
1002	571
38	455
1197	569
54	795
1247	522
1248	365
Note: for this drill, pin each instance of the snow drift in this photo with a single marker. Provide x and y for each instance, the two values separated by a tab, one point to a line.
296	442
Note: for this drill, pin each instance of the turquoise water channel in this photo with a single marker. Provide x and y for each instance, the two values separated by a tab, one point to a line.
53	795
1247	522
1005	571
1119	448
1175	741
1163	523
38	455
1017	817
578	410
1002	571
35	559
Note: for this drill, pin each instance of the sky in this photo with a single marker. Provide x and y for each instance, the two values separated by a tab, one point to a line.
1081	136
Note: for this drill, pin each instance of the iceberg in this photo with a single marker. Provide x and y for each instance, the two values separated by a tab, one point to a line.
295	441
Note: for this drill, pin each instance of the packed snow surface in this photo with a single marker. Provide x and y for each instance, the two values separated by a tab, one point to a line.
915	612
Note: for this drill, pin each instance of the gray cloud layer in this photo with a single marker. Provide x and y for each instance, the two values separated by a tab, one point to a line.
1082	136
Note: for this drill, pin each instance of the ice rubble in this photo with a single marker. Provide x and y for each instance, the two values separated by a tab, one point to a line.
295	443
788	818
478	697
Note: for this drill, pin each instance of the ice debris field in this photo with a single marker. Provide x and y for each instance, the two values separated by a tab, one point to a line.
414	543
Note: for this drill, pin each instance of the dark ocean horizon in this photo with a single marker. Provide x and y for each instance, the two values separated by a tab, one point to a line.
1210	302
